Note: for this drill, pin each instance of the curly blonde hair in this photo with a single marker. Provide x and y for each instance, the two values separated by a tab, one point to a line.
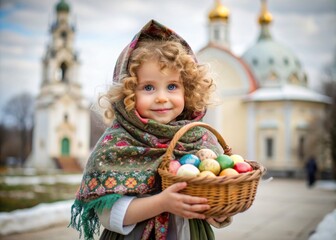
197	83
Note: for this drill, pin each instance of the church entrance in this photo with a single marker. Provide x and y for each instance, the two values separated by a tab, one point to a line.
65	161
65	147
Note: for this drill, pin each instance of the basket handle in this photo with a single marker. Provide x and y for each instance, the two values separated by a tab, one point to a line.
168	155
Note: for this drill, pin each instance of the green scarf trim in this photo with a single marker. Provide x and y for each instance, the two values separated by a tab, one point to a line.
200	230
84	215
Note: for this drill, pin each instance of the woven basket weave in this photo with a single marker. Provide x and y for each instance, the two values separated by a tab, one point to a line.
227	195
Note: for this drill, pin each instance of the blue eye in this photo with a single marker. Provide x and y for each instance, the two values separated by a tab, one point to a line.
148	88
172	87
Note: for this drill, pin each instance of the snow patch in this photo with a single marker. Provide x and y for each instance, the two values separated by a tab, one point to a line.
38	217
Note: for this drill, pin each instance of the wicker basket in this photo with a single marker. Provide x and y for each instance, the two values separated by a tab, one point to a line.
227	195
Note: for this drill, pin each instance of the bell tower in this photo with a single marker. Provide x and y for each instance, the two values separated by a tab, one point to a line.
62	122
60	63
219	25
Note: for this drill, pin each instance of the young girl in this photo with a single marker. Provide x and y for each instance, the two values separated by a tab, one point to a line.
158	88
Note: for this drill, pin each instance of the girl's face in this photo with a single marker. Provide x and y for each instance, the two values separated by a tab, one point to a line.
159	96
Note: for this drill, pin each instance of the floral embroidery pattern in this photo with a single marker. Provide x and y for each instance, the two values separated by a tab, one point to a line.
100	190
160	225
151	181
93	183
110	182
107	138
131	182
122	144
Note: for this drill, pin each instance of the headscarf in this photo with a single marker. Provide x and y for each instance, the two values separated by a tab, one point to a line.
125	159
153	30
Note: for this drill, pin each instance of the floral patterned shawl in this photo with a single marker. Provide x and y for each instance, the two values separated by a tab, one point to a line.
126	157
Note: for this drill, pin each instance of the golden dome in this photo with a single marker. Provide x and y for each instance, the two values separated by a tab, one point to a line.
219	12
265	16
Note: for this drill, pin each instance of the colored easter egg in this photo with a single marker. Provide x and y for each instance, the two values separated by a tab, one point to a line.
206	153
188	170
190	159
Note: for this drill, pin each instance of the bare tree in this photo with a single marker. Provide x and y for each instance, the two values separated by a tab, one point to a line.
329	87
19	112
2	141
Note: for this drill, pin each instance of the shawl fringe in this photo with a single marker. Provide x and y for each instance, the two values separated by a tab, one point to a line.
200	229
84	216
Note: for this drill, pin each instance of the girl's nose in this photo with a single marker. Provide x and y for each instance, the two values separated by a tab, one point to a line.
161	98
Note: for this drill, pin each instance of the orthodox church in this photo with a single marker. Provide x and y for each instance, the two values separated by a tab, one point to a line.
62	119
265	106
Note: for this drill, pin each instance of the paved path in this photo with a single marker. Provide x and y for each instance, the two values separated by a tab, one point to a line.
283	210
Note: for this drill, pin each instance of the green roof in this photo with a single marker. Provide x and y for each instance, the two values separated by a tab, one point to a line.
62	6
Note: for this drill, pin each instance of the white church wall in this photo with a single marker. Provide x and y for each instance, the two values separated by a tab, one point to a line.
232	83
40	158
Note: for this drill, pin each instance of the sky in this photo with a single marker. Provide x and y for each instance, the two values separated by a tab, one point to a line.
103	28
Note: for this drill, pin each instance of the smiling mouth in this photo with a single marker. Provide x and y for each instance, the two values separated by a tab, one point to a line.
162	110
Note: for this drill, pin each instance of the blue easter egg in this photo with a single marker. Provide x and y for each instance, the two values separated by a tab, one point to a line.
190	159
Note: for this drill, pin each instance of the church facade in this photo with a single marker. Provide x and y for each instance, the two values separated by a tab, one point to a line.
62	121
265	108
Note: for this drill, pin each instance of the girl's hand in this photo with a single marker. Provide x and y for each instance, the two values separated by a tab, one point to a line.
220	222
182	205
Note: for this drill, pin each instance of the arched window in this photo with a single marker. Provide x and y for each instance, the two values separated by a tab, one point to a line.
269	148
66	117
65	147
272	76
255	62
63	69
217	34
294	79
64	36
301	152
